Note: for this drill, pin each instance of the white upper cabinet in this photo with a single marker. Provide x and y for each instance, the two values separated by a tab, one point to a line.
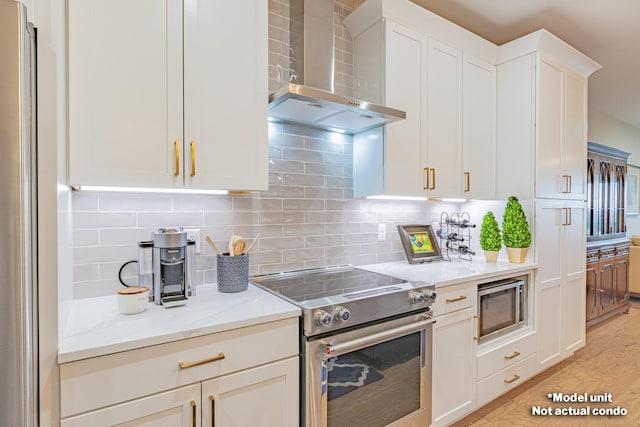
166	94
443	160
412	60
478	128
387	161
542	118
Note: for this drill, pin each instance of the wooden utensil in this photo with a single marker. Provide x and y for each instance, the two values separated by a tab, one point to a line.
253	243
238	246
211	243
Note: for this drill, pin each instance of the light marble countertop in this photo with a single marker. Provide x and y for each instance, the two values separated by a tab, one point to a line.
443	273
95	327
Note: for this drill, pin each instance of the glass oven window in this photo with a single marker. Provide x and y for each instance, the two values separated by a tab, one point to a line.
498	310
376	385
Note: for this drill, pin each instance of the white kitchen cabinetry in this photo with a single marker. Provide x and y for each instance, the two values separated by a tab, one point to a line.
542	118
250	374
560	294
155	101
478	129
175	408
443	162
454	360
433	152
390	68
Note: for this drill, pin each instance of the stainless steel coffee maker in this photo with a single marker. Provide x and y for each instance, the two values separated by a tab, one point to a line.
162	266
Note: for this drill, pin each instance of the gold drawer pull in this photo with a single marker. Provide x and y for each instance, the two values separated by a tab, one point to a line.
213	410
512	379
426	179
513	356
460	298
193	413
193	158
183	365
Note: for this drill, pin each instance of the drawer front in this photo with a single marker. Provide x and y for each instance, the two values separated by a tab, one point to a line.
456	297
101	381
505	355
506	379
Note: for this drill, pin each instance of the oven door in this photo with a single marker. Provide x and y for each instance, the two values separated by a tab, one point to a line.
372	376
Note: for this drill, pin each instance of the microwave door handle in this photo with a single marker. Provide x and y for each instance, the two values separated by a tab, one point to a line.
517	303
358	343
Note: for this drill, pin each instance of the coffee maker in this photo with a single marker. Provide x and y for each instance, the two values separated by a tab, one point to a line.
162	266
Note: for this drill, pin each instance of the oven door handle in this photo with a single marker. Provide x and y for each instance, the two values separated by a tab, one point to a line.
349	346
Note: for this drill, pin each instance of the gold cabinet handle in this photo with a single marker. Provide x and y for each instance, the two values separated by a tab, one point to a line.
177	146
193	158
570	184
213	410
426	179
512	379
193	413
433	179
467	183
460	298
565	181
568	216
183	365
513	356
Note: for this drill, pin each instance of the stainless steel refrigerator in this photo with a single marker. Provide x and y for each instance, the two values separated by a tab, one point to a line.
18	220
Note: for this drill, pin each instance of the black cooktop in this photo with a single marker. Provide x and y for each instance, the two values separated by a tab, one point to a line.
304	286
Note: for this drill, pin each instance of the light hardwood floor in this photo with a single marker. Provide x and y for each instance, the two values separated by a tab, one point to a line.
609	363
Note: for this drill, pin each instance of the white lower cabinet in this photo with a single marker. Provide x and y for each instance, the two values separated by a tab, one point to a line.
174	408
505	365
264	396
242	377
454	357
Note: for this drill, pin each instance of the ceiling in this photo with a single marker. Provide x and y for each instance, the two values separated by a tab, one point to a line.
606	31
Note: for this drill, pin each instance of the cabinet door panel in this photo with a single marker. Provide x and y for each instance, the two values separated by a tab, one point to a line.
125	92
478	131
592	290
226	43
175	408
550	128
607	285
575	143
405	84
263	396
622	281
444	120
454	373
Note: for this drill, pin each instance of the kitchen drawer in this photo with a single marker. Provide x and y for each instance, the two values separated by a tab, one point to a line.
506	379
505	355
101	381
455	297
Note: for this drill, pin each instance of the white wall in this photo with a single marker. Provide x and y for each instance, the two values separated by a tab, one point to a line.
611	132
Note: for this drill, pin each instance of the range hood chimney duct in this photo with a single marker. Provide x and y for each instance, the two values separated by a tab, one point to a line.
309	98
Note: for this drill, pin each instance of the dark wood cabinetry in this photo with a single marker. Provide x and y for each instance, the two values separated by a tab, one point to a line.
607	278
607	272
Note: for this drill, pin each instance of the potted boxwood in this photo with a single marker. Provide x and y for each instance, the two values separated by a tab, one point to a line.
490	237
515	231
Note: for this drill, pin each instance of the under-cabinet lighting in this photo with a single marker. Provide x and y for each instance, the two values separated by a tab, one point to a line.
421	199
145	190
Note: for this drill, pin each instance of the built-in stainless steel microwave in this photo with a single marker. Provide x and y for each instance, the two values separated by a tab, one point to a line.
502	307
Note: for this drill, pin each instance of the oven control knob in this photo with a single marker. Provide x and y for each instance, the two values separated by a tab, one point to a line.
323	318
416	297
342	314
430	293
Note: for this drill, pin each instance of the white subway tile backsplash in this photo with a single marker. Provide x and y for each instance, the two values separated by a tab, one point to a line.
86	237
281	217
303	205
133	202
86	201
164	219
85	272
86	219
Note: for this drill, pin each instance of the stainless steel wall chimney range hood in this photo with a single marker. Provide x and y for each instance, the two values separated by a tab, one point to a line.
310	98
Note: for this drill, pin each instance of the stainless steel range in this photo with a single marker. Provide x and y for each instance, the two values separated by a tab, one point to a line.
366	345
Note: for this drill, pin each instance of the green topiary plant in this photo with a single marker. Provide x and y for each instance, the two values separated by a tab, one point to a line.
515	228
490	237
